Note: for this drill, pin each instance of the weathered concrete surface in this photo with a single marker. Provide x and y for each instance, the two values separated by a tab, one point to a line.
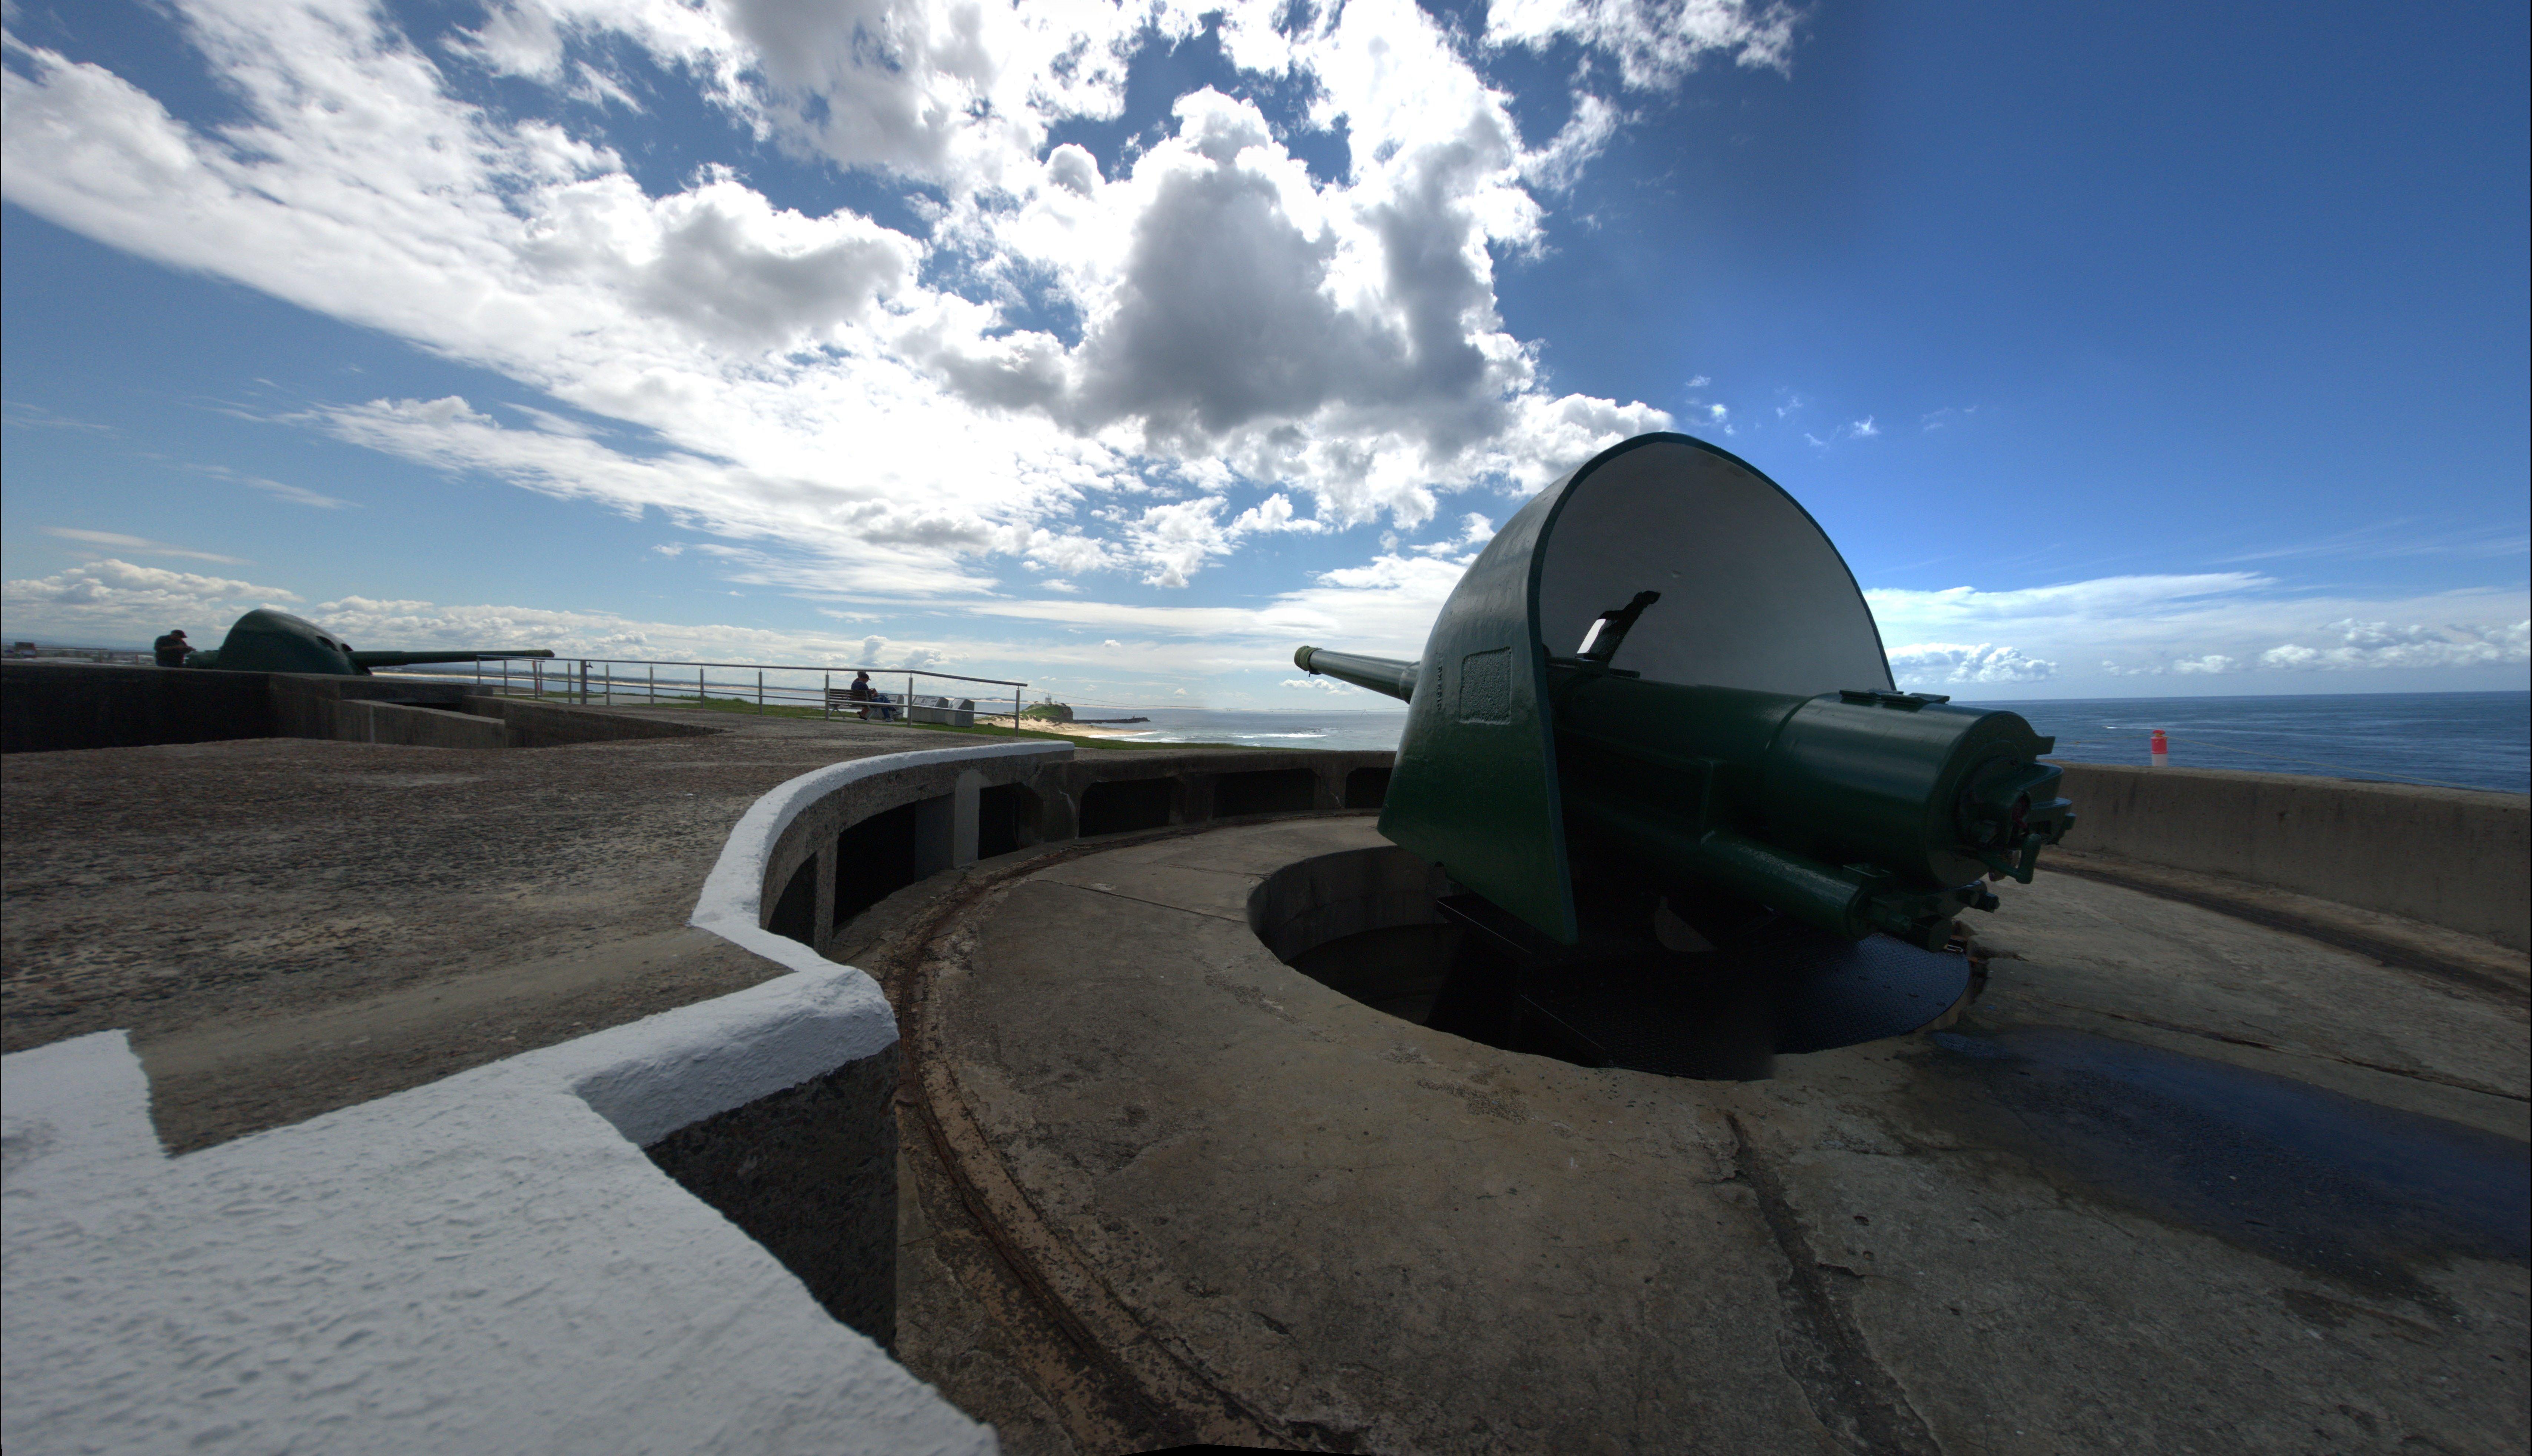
2456	857
60	705
1181	1191
288	926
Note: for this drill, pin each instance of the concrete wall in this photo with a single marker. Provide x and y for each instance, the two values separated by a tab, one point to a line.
357	722
2453	858
1196	781
314	705
810	1173
49	706
534	725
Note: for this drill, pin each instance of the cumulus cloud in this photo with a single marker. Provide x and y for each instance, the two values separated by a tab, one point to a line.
1944	663
114	599
1475	532
850	400
2351	645
2210	623
1654	41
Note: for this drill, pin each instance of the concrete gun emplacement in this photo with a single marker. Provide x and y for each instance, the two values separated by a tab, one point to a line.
1656	709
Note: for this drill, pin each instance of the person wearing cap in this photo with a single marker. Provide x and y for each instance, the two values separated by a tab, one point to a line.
172	649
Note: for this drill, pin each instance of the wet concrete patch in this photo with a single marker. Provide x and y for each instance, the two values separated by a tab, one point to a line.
2306	1176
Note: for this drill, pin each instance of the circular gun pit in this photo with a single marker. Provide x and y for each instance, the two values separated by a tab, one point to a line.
1173	1185
1379	925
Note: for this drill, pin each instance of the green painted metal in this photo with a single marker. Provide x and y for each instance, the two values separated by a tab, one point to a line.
1376	674
1474	786
269	641
1856	810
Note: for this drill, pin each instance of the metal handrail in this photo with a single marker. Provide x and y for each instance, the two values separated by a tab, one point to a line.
785	668
577	681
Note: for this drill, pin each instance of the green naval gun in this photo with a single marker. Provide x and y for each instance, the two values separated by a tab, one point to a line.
269	641
1717	779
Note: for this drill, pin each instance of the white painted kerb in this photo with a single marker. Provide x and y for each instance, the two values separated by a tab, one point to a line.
488	1265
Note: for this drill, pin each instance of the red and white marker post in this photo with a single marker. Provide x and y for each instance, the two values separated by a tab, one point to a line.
2160	750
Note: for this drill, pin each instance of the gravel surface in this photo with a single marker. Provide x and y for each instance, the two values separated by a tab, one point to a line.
287	925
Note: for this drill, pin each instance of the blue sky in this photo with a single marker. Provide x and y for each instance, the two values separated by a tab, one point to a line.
2146	350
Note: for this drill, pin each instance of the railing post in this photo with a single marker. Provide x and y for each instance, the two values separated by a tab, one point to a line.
760	689
825	702
650	697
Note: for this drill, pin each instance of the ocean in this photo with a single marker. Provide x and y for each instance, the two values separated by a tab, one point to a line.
2458	740
2464	740
1260	730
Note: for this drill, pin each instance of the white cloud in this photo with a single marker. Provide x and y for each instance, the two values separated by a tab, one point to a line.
1654	41
2211	664
297	495
846	395
21	415
2210	624
113	600
2362	645
120	542
1930	663
1475	532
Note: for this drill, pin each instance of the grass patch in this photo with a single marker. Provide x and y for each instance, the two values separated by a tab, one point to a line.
978	730
749	707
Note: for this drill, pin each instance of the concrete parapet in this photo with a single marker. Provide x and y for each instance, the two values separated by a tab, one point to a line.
2454	857
49	707
525	1278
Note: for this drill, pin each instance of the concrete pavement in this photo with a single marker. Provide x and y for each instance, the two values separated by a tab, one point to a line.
2178	1183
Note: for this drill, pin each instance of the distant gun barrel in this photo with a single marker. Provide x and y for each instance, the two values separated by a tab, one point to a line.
1386	675
269	641
368	659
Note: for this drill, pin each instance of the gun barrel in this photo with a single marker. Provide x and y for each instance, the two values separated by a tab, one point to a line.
1376	674
1855	811
418	659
